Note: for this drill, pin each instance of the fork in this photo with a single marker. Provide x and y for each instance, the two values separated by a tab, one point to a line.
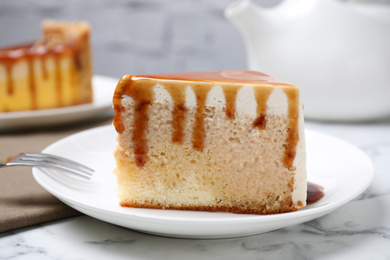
49	161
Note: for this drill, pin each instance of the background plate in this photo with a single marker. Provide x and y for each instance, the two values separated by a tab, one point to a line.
341	168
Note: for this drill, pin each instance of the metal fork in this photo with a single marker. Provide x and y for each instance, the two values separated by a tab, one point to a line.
48	161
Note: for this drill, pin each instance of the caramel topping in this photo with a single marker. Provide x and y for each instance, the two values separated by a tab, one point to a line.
199	133
261	95
293	136
11	55
44	68
10	84
140	88
58	79
178	114
32	83
233	76
314	193
230	92
143	95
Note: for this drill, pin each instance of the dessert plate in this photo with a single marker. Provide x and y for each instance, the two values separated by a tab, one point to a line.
342	169
103	90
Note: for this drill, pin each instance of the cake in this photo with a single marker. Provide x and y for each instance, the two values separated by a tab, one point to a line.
53	72
230	141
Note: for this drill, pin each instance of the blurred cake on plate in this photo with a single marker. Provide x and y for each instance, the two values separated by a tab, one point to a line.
53	72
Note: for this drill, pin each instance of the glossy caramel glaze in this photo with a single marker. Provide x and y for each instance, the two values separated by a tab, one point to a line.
11	55
314	193
261	95
53	72
230	92
199	133
243	77
140	88
293	136
179	111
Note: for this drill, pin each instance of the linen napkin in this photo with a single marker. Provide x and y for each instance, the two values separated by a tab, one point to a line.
23	202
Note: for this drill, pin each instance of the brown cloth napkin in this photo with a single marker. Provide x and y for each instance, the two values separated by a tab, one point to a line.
22	201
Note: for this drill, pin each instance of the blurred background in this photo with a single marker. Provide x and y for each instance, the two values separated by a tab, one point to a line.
156	36
138	36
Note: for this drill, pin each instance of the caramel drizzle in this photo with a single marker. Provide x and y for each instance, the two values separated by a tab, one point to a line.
45	74
32	83
179	111
261	95
28	53
10	83
314	193
144	95
57	69
199	133
293	136
230	92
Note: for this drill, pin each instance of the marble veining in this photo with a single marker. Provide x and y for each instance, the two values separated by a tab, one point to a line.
359	229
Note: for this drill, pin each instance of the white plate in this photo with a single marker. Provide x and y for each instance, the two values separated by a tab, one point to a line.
103	91
342	169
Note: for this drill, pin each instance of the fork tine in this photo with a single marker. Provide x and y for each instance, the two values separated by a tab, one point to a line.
61	159
63	168
43	157
53	162
52	166
49	161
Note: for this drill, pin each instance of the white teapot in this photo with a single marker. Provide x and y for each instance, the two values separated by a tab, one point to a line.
338	52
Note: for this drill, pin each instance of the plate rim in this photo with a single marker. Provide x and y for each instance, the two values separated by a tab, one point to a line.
304	213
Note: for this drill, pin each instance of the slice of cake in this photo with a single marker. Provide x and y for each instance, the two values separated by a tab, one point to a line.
228	141
53	72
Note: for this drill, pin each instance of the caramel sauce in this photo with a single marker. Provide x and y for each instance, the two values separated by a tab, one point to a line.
45	73
230	92
10	84
261	95
143	95
199	133
293	136
234	76
57	74
32	83
11	55
140	88
314	193
179	111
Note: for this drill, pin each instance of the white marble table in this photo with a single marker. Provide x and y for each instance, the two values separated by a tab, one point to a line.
358	230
